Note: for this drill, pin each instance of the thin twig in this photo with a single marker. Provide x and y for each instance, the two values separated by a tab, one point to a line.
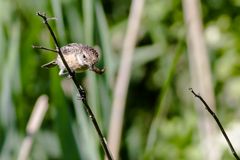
218	123
79	88
44	48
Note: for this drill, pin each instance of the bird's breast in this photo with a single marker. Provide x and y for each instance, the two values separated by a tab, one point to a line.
72	62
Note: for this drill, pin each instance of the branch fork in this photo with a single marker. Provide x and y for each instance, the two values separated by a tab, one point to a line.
80	89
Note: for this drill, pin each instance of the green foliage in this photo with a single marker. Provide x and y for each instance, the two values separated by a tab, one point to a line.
160	121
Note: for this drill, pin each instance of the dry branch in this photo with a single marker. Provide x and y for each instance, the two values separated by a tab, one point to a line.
79	88
218	123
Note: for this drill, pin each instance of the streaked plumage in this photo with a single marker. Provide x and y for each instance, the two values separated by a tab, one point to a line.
79	58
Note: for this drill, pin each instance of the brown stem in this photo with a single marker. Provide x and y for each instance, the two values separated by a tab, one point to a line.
44	48
218	123
79	88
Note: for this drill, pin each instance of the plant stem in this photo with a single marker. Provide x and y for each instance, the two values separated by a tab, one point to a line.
218	123
79	88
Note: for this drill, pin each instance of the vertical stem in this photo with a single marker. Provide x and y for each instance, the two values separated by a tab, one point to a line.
80	90
123	77
200	74
38	113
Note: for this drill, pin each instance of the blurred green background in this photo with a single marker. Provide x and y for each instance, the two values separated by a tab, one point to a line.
159	79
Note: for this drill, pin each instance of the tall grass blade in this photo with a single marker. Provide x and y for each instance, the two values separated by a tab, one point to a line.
63	120
10	79
151	139
56	6
107	52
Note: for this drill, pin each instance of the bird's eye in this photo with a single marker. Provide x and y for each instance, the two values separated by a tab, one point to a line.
84	56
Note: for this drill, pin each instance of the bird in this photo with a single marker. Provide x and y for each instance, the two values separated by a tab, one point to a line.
79	58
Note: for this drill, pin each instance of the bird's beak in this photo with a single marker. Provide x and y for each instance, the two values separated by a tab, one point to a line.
96	70
91	68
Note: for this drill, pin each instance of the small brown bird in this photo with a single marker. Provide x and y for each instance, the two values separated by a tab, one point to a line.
79	58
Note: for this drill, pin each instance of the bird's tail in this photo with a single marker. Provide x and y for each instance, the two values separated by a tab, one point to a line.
49	64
